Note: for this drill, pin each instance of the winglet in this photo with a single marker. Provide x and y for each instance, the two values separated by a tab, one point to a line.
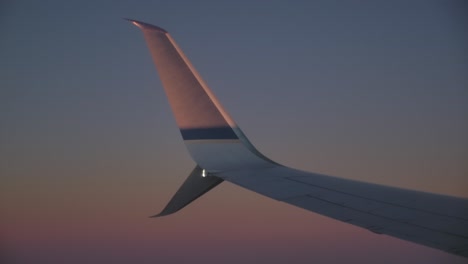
196	184
143	25
213	139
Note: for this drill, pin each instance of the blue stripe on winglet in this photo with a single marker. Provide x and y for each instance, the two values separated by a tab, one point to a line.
208	133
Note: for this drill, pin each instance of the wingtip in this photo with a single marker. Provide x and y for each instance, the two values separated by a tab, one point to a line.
155	216
143	25
168	210
163	213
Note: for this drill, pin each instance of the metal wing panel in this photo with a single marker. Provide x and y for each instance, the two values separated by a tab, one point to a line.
433	220
437	204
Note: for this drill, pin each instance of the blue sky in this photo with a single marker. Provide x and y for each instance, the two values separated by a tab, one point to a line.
367	90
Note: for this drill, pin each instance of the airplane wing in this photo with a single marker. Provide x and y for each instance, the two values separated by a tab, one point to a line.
223	153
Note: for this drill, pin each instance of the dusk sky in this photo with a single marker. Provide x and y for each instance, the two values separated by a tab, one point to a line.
368	90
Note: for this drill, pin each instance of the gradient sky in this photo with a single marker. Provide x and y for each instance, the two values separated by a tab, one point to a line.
367	90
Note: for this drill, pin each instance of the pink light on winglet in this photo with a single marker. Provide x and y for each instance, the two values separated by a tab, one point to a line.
143	25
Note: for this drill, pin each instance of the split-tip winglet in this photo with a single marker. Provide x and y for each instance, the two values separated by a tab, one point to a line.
143	25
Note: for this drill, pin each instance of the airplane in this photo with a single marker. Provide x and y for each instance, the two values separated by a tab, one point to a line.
223	153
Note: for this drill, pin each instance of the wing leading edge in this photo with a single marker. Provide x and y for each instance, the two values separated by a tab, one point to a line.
223	152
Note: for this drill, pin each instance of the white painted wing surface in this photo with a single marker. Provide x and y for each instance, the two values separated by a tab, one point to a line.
432	220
